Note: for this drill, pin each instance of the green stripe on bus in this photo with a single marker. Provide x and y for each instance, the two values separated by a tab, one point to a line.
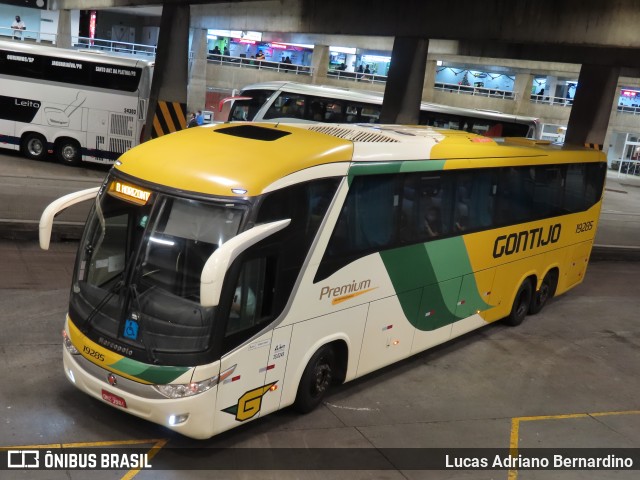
436	269
149	373
406	166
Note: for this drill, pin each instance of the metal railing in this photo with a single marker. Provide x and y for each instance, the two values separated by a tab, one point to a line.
627	167
357	76
243	62
476	91
629	109
98	44
555	101
112	46
27	35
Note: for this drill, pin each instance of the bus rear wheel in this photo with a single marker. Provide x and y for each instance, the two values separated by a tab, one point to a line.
68	151
34	146
547	291
521	304
316	380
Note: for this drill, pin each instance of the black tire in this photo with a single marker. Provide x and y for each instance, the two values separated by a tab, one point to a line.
68	151
316	380
545	293
521	304
34	146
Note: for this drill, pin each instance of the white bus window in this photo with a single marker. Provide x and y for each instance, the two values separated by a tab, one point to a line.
287	106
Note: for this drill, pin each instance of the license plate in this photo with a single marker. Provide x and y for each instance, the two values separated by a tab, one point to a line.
113	399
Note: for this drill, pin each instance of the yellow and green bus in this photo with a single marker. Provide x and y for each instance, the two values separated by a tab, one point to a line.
228	271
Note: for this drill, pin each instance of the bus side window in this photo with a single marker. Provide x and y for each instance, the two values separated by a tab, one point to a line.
575	187
516	187
474	201
367	222
547	194
287	105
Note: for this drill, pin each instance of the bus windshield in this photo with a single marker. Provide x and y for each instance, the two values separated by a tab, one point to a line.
137	279
246	109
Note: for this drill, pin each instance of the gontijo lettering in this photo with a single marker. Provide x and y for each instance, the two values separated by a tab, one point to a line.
525	240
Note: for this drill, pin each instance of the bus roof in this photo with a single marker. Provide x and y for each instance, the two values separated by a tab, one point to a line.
71	54
246	159
376	98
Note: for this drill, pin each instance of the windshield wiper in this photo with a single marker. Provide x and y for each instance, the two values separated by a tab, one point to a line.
115	288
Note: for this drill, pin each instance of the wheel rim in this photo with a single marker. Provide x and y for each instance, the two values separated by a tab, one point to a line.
35	147
69	152
523	303
543	294
321	378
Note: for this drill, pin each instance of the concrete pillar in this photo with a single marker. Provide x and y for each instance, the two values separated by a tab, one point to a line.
591	110
522	90
63	37
403	93
320	63
550	88
428	90
197	89
168	97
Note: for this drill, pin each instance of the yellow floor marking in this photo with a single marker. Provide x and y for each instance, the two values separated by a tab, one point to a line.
515	428
158	443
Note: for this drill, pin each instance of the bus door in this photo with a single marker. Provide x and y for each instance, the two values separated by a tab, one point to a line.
246	304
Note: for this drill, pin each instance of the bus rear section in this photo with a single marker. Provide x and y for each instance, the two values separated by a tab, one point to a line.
77	106
276	260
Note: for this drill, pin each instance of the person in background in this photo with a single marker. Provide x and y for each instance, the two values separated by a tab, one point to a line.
366	70
200	118
216	51
18	26
192	121
226	50
260	55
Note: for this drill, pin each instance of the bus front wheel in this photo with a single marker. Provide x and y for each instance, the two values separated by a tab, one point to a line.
34	146
521	304
68	151
316	380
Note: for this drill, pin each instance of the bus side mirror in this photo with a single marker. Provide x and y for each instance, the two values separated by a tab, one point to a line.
216	266
55	207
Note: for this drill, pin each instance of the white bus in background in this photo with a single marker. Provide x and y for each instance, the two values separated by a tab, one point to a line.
290	100
77	105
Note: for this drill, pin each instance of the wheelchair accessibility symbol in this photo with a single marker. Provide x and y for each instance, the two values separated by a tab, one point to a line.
131	329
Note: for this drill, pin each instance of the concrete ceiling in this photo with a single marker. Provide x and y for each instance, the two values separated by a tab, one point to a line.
571	31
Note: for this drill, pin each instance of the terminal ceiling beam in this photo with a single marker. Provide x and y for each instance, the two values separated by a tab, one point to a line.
611	23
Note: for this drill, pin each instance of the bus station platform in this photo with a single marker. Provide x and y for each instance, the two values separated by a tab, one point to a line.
618	235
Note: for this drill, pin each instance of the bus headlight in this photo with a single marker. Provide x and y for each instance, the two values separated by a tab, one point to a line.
181	390
68	345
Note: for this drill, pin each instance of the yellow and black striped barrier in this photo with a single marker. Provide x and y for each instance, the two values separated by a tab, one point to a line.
170	117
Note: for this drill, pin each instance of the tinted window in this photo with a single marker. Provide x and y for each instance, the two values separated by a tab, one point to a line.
247	109
267	272
287	105
74	71
387	211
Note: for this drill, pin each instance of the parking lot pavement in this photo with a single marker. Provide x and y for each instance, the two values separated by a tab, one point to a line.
565	377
